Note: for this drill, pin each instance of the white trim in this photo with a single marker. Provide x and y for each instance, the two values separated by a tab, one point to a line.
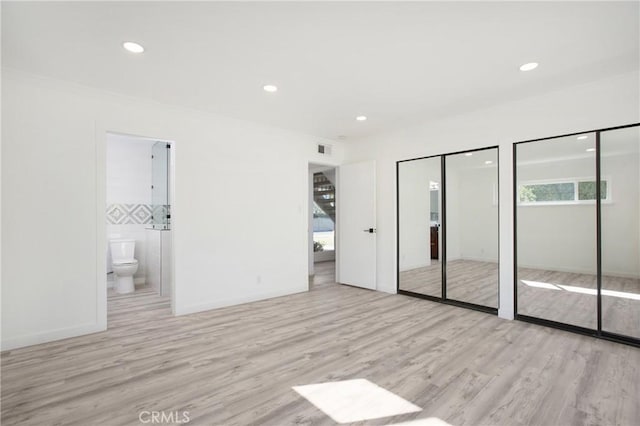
221	303
50	336
101	226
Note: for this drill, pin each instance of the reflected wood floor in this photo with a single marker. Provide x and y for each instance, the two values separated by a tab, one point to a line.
571	298
467	281
564	297
236	365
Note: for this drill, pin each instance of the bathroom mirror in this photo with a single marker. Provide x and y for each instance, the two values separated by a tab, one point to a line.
419	220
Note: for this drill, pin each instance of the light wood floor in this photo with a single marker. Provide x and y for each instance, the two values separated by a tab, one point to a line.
236	365
324	275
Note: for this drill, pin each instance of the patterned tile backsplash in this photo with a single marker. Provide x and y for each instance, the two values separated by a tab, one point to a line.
135	214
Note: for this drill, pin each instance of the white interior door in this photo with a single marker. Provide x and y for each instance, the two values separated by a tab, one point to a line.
356	207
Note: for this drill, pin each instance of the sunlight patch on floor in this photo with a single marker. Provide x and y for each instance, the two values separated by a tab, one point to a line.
355	400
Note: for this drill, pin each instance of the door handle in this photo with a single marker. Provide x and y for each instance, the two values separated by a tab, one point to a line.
370	230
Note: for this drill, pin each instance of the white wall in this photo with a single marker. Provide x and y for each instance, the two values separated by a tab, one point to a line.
129	182
54	190
599	104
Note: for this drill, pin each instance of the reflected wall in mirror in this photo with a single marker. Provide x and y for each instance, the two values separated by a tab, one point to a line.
472	227
556	229
419	245
620	231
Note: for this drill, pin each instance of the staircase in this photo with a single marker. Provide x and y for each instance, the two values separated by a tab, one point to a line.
324	195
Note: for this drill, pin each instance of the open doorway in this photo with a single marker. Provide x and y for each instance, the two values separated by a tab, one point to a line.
138	227
322	225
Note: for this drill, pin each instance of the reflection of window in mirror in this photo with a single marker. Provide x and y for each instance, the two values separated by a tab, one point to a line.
563	191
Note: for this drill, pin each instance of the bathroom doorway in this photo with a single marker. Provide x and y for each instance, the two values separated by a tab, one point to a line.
138	226
322	225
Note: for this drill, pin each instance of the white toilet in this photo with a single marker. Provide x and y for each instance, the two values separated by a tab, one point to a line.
123	264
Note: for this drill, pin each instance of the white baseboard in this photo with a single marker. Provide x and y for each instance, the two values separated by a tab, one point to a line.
619	275
414	266
473	259
50	336
201	307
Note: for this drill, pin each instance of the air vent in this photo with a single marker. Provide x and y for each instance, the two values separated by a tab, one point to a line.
324	149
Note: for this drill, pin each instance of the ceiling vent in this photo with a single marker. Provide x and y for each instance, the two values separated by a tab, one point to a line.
324	149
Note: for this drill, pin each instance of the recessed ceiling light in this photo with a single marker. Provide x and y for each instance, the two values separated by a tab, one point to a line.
133	47
590	149
583	137
488	162
270	88
529	66
468	154
361	118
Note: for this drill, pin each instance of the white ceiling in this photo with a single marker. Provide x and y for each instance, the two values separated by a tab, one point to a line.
397	63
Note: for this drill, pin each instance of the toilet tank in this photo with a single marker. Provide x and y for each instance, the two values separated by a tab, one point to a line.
122	250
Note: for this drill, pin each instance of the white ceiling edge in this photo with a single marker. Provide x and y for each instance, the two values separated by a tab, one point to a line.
73	87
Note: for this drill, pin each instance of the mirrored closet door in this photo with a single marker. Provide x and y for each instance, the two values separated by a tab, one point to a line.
620	227
577	220
419	220
448	228
472	227
556	223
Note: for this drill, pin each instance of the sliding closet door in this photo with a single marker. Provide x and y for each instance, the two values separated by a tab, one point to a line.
471	192
419	253
620	230
555	226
